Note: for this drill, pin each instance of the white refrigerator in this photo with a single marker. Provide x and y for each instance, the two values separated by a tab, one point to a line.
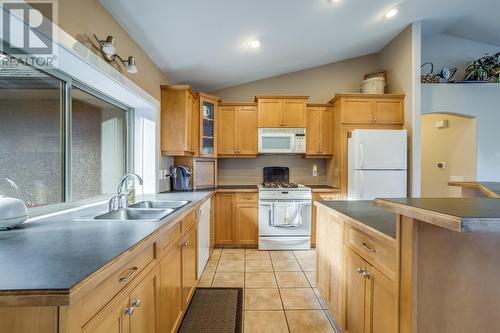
377	164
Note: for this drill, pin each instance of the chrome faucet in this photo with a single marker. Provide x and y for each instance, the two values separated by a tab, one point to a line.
120	200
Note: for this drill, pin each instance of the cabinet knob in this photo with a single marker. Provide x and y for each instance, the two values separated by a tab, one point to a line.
360	271
129	311
366	275
136	303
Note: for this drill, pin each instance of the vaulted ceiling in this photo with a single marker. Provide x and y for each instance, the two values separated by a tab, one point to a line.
205	43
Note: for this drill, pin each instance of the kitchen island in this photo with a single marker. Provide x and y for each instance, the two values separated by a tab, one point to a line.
438	274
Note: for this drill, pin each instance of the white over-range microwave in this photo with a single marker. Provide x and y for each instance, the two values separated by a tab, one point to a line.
282	140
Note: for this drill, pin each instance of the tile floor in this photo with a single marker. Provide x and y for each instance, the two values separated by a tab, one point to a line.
279	289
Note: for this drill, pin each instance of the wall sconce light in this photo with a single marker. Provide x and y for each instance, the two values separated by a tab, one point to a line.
108	51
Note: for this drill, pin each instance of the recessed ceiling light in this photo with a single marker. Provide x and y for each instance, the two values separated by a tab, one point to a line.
391	13
334	1
254	43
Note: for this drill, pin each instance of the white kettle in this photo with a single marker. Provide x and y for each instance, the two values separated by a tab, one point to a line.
12	212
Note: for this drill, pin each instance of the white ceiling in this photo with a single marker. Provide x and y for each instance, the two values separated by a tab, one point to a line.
204	43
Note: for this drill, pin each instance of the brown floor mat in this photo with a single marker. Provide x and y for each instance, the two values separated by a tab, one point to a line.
214	310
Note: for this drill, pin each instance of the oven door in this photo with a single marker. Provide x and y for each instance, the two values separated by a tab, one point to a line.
270	226
276	142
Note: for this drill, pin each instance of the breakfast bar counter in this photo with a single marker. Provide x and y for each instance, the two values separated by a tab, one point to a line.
449	247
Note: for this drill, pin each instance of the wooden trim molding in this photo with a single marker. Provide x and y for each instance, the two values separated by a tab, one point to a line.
361	95
478	186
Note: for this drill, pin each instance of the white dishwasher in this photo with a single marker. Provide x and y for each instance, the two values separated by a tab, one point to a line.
204	236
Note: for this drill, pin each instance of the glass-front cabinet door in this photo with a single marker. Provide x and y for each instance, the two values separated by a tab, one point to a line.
208	125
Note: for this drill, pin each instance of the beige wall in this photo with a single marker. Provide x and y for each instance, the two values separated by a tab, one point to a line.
454	145
397	58
320	83
82	18
249	171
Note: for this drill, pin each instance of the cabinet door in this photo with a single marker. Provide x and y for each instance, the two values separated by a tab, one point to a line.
195	125
171	287
112	319
246	130
189	122
247	227
226	135
224	223
144	300
270	112
208	122
313	131
189	265
382	304
326	133
357	111
322	256
355	292
388	111
294	113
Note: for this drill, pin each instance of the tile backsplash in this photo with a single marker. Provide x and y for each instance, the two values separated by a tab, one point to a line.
249	171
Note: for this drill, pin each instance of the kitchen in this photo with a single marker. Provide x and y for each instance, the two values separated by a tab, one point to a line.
228	200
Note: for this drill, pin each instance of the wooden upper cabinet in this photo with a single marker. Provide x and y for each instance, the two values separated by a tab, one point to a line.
226	136
270	112
282	111
319	135
237	130
208	125
371	108
294	112
178	118
246	130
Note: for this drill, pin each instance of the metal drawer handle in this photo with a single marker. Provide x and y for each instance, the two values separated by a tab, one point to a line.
128	275
371	249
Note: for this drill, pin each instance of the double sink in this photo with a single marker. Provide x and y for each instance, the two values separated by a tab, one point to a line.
152	211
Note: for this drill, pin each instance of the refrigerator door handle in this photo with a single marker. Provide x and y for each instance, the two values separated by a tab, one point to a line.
361	156
362	179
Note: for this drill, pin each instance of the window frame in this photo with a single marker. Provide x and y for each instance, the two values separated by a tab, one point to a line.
67	84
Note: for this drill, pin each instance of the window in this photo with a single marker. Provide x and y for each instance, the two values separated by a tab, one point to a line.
31	155
59	140
97	147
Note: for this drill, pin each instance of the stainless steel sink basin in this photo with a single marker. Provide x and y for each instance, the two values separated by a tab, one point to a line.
164	204
134	214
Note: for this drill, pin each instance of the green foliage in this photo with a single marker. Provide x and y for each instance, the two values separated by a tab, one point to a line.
486	68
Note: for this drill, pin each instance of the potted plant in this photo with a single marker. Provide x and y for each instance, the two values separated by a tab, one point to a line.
484	69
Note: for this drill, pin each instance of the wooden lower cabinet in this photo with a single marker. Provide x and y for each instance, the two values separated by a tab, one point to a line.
247	227
189	265
237	219
320	197
171	287
224	230
133	312
371	298
361	298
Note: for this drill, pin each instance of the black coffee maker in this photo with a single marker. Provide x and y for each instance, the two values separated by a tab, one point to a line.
181	178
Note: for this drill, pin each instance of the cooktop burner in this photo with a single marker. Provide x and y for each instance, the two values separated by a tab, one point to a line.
279	185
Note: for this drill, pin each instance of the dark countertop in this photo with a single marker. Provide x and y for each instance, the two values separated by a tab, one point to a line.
58	252
237	187
367	214
323	188
489	189
458	214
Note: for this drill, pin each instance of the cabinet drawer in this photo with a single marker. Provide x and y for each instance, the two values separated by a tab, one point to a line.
246	197
329	196
168	237
106	290
376	252
188	221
